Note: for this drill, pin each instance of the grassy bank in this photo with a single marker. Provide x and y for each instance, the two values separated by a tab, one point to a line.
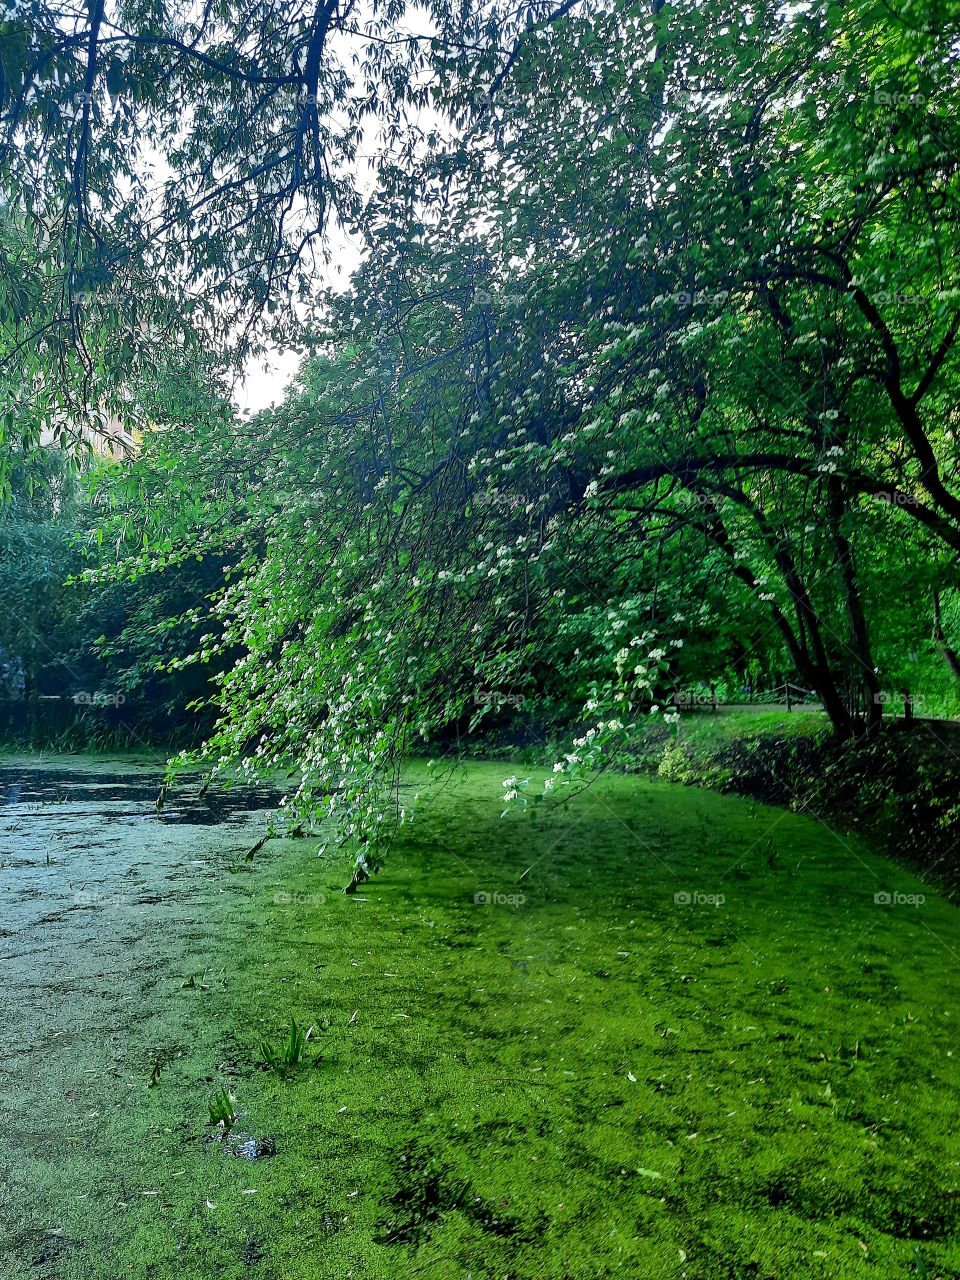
900	789
677	1036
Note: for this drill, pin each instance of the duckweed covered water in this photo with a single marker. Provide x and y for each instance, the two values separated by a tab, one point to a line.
660	1034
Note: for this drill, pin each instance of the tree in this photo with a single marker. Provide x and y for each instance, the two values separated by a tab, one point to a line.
642	372
174	175
35	558
760	263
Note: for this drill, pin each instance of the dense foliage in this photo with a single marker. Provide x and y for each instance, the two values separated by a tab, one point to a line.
647	380
170	175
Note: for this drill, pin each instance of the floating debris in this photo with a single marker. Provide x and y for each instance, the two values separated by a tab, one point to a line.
255	1148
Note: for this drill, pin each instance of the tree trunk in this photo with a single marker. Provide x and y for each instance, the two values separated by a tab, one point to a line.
859	636
948	654
814	670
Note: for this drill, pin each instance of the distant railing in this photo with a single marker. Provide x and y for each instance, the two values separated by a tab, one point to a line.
790	695
786	694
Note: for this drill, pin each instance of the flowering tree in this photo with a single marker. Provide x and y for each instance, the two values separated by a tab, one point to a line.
639	401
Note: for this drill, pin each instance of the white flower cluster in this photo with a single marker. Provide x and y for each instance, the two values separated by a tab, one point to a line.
831	460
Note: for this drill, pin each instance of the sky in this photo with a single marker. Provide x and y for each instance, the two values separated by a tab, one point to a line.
265	380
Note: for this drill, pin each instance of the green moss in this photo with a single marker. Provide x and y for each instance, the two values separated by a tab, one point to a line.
595	1081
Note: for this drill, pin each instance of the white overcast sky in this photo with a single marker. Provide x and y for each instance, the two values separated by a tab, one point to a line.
265	380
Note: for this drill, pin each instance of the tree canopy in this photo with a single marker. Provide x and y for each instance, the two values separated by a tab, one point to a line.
647	377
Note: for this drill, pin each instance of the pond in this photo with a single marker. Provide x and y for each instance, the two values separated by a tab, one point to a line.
658	1033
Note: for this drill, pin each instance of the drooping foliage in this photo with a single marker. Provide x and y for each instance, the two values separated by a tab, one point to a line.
647	380
171	176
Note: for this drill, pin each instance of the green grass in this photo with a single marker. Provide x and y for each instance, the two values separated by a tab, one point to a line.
594	1081
708	729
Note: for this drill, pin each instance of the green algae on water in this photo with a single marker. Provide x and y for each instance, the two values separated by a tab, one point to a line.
660	1033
